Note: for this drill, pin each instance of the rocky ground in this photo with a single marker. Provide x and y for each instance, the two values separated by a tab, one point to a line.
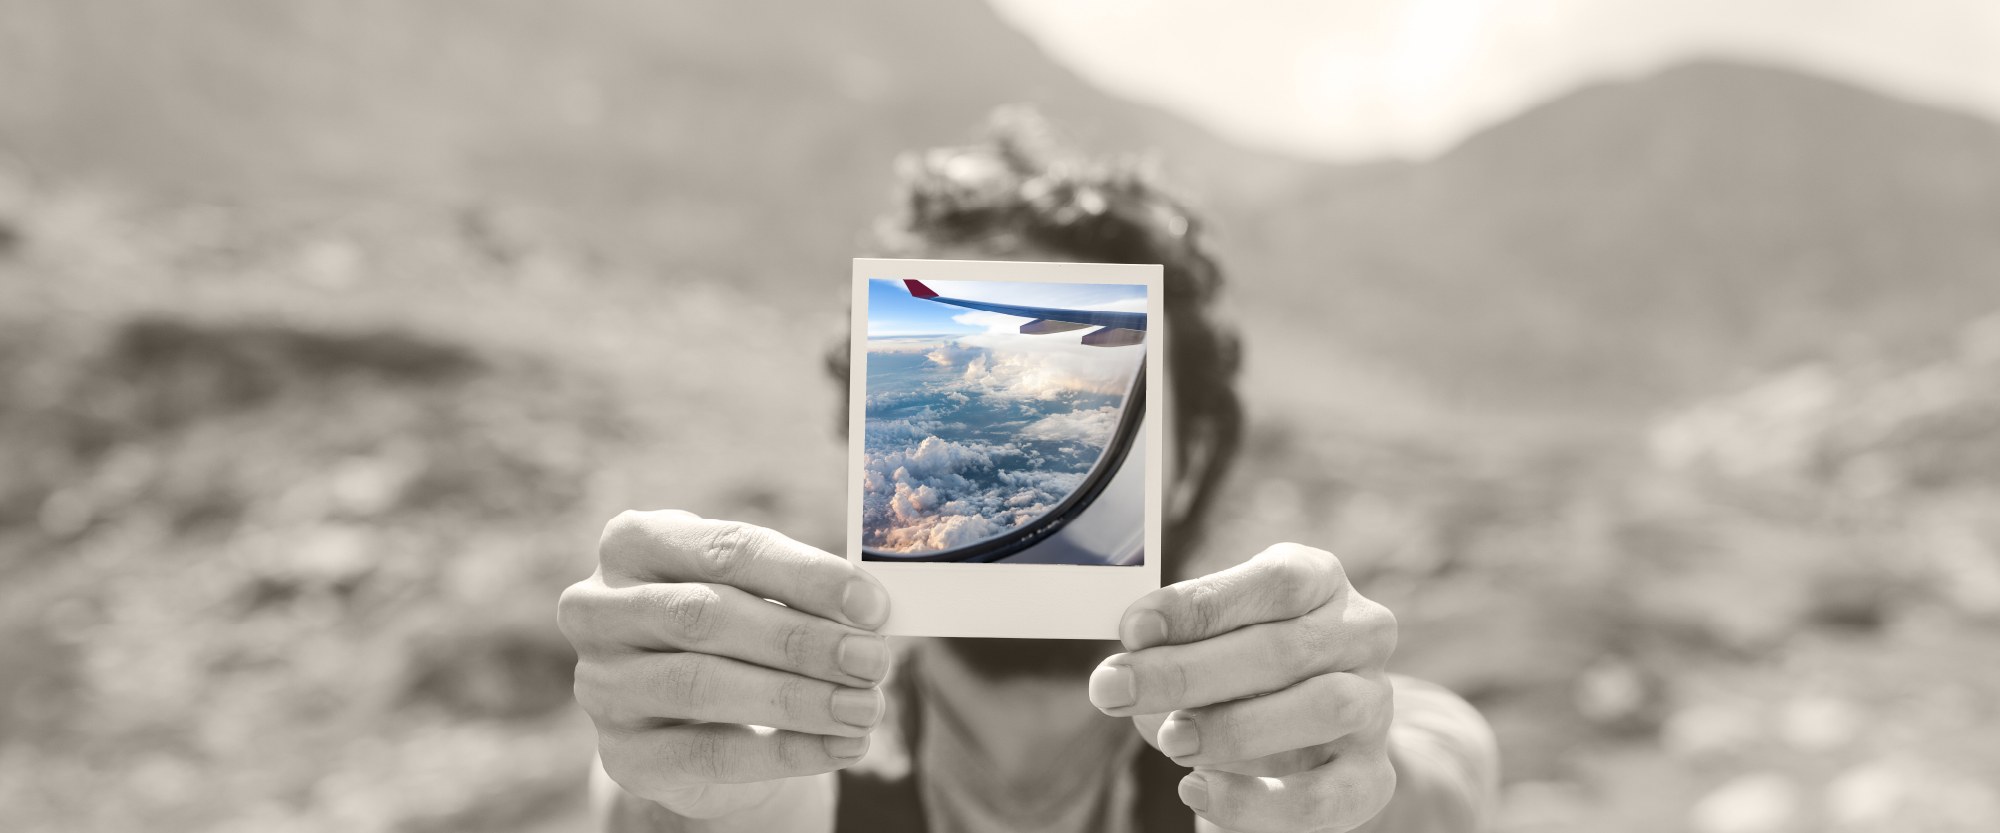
291	489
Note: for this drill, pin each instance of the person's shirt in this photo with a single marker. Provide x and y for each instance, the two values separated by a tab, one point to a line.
949	758
963	753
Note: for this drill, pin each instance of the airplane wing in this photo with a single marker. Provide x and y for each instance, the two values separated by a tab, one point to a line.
1115	329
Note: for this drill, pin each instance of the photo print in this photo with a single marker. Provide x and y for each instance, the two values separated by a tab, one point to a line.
1002	419
1000	413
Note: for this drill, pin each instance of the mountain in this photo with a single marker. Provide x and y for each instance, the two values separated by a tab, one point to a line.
1637	241
1622	246
743	142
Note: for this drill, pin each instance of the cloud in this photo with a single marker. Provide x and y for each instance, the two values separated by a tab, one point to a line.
993	322
940	533
1026	372
941	494
886	432
1094	427
935	457
953	354
972	436
1013	366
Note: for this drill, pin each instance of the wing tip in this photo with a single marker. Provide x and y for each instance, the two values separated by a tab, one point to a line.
918	289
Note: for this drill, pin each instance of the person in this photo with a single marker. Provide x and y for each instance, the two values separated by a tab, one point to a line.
1256	698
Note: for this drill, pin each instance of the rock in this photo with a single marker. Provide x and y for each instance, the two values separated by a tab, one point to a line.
1610	691
1758	802
1900	793
1710	729
1819	724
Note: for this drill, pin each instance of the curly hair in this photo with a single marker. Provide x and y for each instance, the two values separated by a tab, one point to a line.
1019	188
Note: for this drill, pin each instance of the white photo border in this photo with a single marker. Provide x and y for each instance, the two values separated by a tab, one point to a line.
1028	601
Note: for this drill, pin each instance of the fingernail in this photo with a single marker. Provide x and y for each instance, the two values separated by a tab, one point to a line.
841	747
1113	687
865	603
857	706
1179	738
1194	792
866	657
1144	629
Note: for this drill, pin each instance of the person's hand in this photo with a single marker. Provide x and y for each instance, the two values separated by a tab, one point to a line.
705	695
1267	679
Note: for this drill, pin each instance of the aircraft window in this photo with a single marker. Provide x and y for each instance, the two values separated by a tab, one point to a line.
996	413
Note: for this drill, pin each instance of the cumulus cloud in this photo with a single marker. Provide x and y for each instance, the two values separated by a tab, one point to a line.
1093	426
971	436
953	354
941	494
1031	374
912	429
940	533
937	457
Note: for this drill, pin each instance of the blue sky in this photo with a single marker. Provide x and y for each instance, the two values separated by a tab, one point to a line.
892	312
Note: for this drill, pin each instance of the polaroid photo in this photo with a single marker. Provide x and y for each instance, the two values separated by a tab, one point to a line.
1005	443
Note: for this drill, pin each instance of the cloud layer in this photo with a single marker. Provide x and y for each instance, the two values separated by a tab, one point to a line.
967	438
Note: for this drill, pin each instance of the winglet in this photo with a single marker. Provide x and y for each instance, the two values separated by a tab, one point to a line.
919	290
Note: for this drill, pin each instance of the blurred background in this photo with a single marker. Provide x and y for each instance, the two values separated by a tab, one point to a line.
1641	355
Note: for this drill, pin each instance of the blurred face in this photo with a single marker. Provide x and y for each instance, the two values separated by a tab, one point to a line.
1069	659
1176	503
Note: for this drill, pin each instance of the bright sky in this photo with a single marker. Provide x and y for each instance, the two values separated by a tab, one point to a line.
1354	79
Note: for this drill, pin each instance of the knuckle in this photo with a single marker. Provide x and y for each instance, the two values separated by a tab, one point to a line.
1377	628
799	753
585	690
1296	578
1339	703
597	690
1355	797
1358	705
1326	560
624	534
685	681
1170	679
1384	780
704	757
1381	703
1304	558
721	550
1316	571
1203	610
1306	644
794	698
1332	801
573	612
1294	553
1222	731
689	613
619	761
1340	695
798	644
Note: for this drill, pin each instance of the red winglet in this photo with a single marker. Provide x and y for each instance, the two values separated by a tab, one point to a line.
918	290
